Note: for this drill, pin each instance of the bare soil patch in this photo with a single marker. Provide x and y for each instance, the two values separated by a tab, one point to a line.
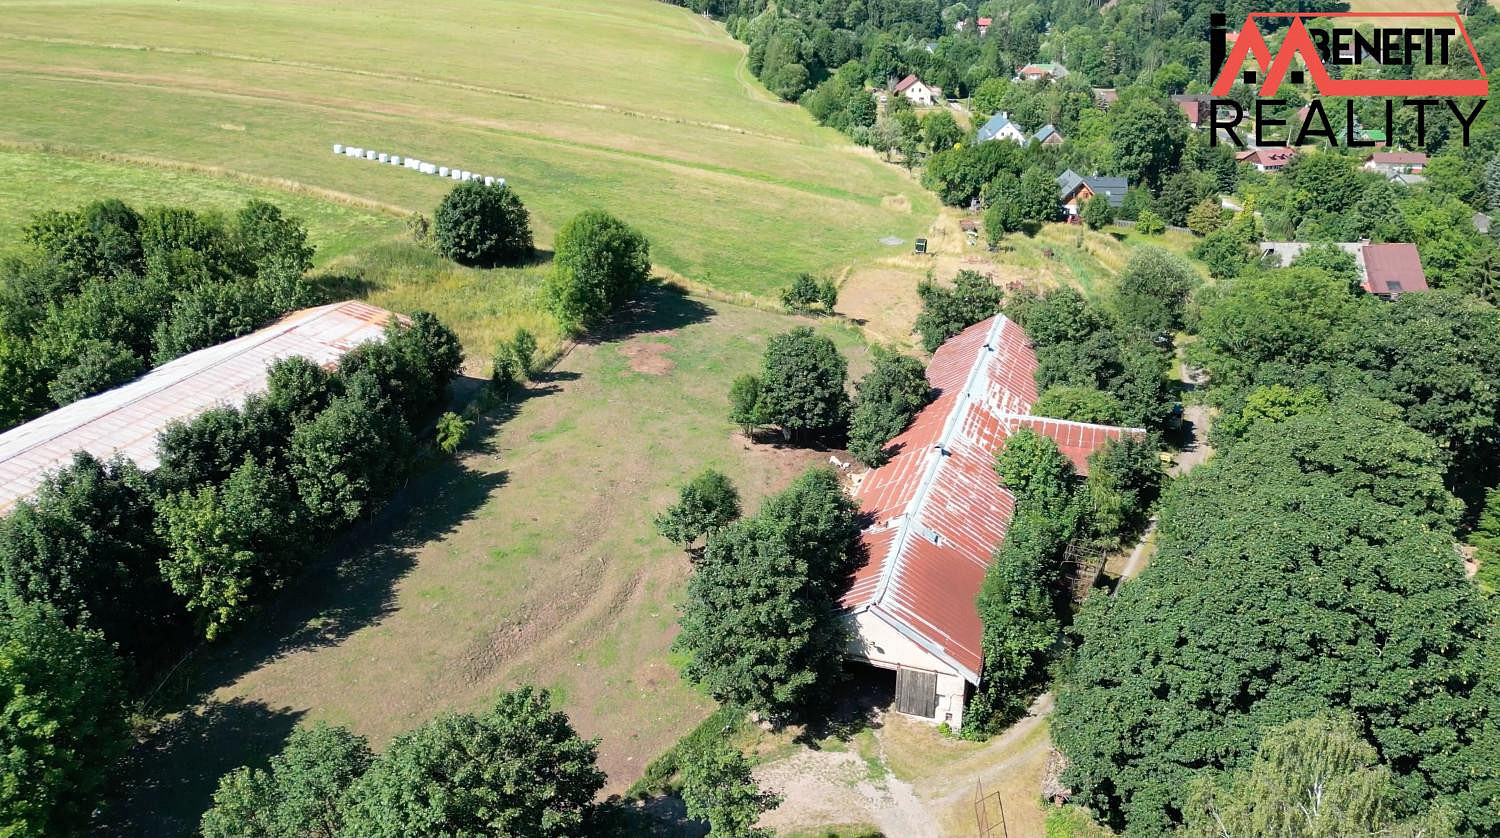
648	357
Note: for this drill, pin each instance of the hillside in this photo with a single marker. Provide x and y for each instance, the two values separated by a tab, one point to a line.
638	107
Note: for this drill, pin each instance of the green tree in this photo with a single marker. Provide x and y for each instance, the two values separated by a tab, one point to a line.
349	456
802	384
760	622
1205	217
707	503
1097	212
1486	542
1310	778
303	794
1148	139
1037	196
717	787
1152	291
600	262
483	225
518	769
1332	260
888	397
1177	676
1079	404
1150	224
948	311
808	293
941	131
1125	479
65	724
450	432
84	544
225	546
1283	317
744	402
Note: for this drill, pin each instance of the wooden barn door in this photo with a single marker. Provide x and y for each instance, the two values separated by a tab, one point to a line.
916	692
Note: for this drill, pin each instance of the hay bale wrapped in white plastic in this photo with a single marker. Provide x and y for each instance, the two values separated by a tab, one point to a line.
442	171
370	154
383	157
456	174
338	148
349	151
489	181
429	169
499	181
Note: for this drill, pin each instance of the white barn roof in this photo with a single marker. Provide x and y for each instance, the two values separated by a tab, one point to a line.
128	419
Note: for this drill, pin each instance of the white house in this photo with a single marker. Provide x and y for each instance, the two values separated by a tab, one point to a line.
917	92
938	512
999	127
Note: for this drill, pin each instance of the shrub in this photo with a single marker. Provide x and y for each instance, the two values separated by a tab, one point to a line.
1098	213
483	225
600	261
451	429
1150	224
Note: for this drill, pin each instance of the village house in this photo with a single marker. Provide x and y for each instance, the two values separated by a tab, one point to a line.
1195	107
938	512
1268	159
1396	162
1040	71
984	26
917	92
999	127
1385	270
1048	135
1104	97
1075	190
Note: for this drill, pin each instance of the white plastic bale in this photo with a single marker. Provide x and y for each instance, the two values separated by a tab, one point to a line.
369	155
383	157
489	181
456	174
499	181
395	159
338	148
442	171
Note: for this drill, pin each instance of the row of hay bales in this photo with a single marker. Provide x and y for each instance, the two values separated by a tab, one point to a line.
414	164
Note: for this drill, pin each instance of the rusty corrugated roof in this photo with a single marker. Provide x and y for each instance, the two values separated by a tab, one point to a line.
937	508
128	419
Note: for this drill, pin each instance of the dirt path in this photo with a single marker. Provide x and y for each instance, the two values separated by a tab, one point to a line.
820	788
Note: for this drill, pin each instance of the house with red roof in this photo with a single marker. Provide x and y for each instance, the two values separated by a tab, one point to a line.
984	26
1386	270
917	92
1267	159
937	514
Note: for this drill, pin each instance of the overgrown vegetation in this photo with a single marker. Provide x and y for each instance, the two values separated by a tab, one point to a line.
100	294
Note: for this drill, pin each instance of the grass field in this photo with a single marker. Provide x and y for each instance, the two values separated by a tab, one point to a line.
630	105
532	559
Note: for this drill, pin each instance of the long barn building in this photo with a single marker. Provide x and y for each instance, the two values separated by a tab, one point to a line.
939	512
126	421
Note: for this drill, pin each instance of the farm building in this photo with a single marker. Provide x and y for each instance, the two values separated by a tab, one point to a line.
938	513
1075	190
127	420
1266	159
1396	162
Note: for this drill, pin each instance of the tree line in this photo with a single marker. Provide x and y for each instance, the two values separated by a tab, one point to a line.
108	572
97	295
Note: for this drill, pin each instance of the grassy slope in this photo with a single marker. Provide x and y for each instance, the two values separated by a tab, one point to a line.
633	105
531	560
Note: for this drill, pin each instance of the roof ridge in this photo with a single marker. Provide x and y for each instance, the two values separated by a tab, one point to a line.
924	487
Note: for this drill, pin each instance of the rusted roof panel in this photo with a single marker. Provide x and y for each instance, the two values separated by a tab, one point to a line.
128	419
937	508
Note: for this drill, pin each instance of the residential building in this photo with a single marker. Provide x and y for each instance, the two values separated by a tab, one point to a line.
1195	107
999	127
938	513
1396	162
917	92
1075	190
1385	270
1104	97
1045	70
1048	135
984	26
1268	159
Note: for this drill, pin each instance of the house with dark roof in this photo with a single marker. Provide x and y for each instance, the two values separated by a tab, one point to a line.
999	127
937	513
1075	190
917	92
1048	135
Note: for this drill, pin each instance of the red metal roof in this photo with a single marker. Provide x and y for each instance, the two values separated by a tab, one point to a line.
938	508
1393	268
1398	158
906	82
